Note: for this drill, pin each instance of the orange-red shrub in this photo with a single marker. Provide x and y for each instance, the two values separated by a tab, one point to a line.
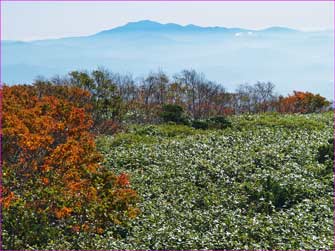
302	102
50	164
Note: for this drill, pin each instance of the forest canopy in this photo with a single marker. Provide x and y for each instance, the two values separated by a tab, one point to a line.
120	97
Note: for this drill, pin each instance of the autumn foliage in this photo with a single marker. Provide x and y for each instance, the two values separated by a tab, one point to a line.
51	170
302	102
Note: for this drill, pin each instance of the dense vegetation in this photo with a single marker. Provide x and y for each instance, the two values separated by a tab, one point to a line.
93	162
53	182
256	185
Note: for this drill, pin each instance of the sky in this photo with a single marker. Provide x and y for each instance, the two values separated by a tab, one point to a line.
41	20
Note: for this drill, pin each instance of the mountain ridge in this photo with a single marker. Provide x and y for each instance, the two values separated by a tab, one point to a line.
230	56
153	26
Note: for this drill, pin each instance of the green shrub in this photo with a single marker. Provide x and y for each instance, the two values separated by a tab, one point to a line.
309	122
173	113
326	152
175	130
148	130
326	156
164	130
200	124
219	122
130	139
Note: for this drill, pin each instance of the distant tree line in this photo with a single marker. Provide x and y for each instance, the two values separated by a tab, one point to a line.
116	97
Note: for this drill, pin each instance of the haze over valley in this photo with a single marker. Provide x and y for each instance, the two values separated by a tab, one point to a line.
291	59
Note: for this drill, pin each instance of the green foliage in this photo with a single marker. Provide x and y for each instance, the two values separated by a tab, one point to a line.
140	135
326	156
107	104
173	113
165	130
218	122
274	120
326	152
200	124
256	188
130	139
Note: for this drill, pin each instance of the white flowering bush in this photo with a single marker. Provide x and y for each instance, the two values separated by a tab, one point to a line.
256	185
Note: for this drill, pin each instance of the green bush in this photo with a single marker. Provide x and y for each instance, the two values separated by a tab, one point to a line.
326	156
200	124
129	139
175	130
164	130
309	122
147	130
144	135
219	122
326	152
173	113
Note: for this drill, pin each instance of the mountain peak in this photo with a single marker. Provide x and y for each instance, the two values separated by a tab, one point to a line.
144	25
152	26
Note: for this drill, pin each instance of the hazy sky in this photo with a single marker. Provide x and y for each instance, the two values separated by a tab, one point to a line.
38	20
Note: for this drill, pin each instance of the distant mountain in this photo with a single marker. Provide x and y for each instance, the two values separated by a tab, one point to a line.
150	26
279	29
291	59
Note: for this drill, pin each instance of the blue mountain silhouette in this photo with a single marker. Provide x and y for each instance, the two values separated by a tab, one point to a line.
291	59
